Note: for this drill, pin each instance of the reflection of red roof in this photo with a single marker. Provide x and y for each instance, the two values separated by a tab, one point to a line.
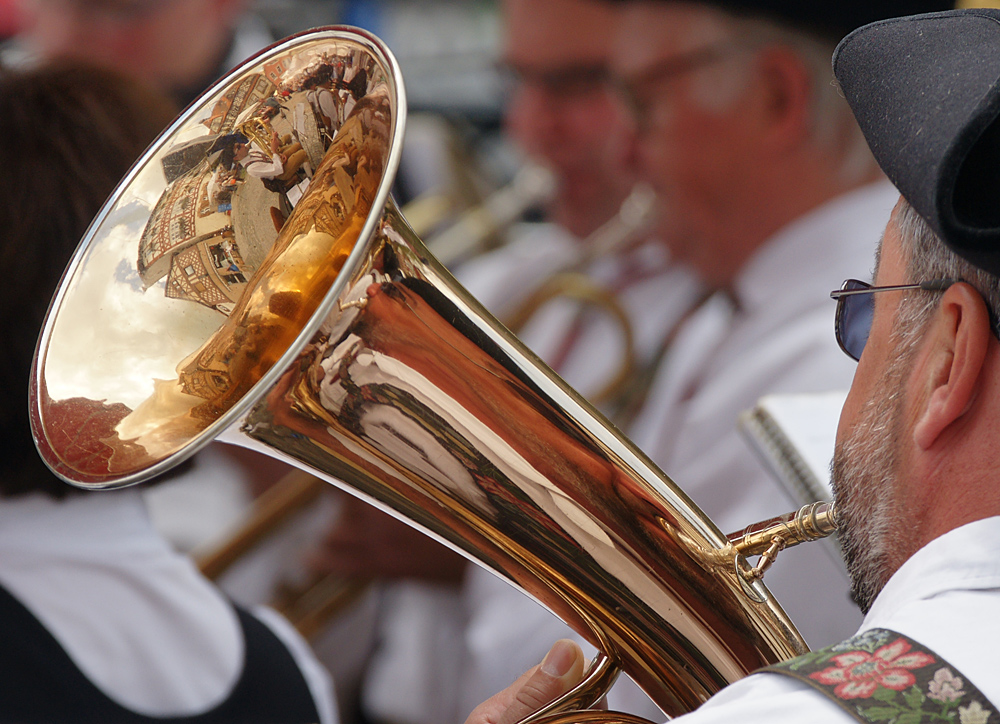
83	433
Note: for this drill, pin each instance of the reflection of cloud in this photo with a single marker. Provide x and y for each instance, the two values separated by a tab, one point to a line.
111	340
131	213
125	273
161	424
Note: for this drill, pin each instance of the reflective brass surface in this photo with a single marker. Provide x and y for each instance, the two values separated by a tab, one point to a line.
596	683
352	353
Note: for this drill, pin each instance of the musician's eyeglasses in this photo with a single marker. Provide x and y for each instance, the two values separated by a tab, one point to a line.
562	83
856	309
639	91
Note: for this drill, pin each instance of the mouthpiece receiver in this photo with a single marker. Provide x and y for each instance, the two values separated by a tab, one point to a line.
769	537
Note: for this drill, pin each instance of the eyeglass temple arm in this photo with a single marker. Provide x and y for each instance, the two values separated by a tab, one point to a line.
935	285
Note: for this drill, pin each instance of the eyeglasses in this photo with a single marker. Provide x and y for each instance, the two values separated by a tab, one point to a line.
636	91
564	82
856	309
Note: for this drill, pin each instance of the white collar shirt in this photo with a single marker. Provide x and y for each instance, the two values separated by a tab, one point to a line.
945	597
138	618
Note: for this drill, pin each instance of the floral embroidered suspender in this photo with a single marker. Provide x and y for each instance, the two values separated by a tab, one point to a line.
883	676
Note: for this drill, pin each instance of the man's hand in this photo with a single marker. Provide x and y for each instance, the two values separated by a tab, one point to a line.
560	671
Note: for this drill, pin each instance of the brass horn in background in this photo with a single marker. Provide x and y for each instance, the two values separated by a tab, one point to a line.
338	344
634	218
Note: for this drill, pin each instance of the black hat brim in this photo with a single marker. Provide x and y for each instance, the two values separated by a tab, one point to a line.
925	91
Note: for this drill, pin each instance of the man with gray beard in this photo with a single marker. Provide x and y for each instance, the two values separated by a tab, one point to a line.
916	469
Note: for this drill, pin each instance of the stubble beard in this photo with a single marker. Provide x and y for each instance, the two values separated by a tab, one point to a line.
863	477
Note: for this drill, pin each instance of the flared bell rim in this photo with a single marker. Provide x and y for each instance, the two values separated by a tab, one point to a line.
231	417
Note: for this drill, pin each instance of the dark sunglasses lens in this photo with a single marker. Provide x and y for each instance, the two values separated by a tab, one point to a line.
854	323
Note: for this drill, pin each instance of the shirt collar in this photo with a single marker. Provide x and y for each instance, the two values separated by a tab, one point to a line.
840	236
963	558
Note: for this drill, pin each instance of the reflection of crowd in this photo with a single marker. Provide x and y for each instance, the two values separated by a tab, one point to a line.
324	96
222	185
222	254
278	166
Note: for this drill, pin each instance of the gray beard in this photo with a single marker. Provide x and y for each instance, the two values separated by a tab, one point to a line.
863	476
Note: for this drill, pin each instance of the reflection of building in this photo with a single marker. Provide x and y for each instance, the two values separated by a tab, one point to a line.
274	69
176	220
211	383
249	92
210	272
206	255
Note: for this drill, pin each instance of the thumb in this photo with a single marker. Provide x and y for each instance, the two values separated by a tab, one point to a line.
560	671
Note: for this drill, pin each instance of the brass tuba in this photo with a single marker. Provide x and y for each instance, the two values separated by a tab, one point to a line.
338	344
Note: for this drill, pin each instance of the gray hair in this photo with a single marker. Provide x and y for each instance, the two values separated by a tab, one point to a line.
927	258
834	129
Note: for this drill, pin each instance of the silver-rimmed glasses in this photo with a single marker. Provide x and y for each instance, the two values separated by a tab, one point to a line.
856	308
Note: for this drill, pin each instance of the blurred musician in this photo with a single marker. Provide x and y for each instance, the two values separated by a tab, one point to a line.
563	114
179	46
101	619
769	192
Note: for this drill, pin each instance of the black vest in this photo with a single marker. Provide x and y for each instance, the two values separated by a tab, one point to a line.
40	683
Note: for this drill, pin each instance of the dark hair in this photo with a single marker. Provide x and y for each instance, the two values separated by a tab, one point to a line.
68	133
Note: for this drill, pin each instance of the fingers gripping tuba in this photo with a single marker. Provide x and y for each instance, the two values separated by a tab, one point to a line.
324	334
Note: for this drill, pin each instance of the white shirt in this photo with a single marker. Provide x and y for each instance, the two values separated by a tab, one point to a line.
259	165
137	618
653	294
779	339
946	597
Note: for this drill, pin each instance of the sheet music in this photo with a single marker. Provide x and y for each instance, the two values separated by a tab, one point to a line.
795	435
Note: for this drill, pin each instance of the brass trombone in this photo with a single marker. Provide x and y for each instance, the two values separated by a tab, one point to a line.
354	354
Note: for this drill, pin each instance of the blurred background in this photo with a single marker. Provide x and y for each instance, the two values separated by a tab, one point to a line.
448	51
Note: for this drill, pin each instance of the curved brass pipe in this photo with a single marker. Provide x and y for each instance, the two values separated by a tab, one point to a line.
578	286
634	218
272	510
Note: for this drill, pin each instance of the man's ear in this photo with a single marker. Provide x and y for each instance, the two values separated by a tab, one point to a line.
955	351
787	98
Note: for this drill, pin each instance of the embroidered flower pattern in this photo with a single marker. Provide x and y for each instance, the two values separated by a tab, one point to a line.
974	713
945	686
858	674
886	677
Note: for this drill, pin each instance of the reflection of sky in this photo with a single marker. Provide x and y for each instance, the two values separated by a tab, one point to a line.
112	339
125	273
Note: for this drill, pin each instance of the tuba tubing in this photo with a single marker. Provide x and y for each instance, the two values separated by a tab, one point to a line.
354	355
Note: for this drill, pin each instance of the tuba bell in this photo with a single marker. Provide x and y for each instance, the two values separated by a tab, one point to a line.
332	340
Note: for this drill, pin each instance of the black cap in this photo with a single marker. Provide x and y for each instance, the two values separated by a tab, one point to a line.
926	93
832	19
